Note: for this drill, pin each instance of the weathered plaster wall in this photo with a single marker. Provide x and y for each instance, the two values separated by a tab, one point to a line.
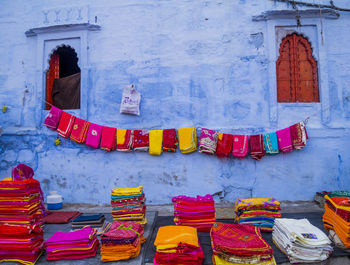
196	63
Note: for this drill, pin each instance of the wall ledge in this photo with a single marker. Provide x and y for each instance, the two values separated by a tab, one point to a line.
59	28
290	14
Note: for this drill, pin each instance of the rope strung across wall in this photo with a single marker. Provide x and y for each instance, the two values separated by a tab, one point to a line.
302	3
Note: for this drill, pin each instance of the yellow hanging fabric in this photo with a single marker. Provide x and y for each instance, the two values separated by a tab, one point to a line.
187	139
155	142
121	136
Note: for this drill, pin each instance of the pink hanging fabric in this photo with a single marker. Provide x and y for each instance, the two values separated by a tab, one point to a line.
94	135
240	146
284	140
53	118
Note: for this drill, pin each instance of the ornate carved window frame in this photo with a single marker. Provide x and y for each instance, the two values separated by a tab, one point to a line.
286	20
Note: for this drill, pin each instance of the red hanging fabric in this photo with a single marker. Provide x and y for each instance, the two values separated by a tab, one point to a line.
51	75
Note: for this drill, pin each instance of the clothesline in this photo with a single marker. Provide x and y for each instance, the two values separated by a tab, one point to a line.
156	141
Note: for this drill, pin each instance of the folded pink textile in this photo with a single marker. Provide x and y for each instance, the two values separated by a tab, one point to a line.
80	236
94	135
208	141
53	118
240	146
108	138
284	140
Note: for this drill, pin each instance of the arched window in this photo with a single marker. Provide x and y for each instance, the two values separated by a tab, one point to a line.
296	71
63	79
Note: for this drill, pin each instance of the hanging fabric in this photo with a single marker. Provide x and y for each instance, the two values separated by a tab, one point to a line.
240	146
169	140
79	131
66	124
141	140
271	143
94	135
284	140
53	118
108	138
257	150
299	135
125	140
155	142
224	146
187	139
208	141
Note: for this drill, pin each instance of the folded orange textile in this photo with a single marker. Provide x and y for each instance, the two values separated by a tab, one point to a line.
79	131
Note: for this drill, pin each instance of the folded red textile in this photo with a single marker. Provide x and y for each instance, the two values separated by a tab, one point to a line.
299	135
108	138
141	140
170	141
257	150
79	131
224	146
66	124
60	217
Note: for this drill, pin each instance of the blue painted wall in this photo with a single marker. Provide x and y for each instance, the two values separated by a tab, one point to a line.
195	63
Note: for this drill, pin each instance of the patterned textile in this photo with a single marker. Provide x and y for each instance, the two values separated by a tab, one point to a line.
284	140
22	172
208	141
53	118
224	146
240	146
155	142
257	150
260	212
66	124
187	140
271	143
170	142
108	138
141	140
299	135
232	240
79	131
125	140
197	211
128	204
94	135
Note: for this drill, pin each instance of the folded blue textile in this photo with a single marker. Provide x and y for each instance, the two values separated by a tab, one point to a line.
84	218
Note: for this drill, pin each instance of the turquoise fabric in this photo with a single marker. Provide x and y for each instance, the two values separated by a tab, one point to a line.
271	143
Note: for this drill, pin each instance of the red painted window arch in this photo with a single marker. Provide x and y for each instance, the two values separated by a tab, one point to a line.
296	71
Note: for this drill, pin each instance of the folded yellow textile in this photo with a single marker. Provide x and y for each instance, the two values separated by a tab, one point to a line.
121	136
169	237
155	142
127	191
187	139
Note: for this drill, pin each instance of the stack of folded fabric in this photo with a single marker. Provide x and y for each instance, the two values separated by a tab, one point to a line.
197	212
21	221
208	141
337	215
258	211
122	241
239	244
79	244
301	241
128	204
97	221
178	245
187	140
